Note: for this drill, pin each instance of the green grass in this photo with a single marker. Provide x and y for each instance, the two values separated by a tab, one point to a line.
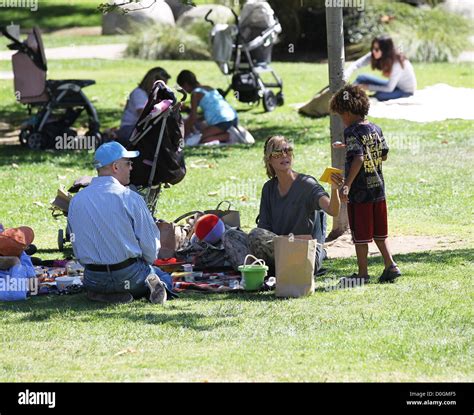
53	14
419	329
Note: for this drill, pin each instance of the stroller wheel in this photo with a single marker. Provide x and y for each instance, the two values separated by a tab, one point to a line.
36	141
97	136
280	99
24	134
269	100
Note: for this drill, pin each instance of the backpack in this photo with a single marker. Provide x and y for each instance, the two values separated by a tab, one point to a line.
203	255
170	166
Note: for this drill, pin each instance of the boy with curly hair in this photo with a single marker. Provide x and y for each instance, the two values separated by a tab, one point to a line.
364	189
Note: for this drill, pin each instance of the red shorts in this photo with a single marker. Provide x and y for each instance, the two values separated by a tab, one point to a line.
368	221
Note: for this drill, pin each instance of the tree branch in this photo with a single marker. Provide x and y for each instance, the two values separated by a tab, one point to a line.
105	8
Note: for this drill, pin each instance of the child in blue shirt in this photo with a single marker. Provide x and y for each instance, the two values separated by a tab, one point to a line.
218	113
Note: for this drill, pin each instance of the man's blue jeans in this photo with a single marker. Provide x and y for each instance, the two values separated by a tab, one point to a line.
130	279
381	96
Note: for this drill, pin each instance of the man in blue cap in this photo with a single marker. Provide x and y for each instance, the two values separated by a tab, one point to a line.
113	233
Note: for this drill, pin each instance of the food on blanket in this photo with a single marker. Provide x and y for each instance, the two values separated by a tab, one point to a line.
186	276
209	228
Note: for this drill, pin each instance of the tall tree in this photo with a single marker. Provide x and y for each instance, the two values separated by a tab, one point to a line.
335	41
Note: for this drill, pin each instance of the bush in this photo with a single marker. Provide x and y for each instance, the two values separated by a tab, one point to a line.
423	35
168	42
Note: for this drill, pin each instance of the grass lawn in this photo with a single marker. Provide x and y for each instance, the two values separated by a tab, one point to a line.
53	14
419	329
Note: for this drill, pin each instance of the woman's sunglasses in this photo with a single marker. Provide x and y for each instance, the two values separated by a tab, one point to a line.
276	154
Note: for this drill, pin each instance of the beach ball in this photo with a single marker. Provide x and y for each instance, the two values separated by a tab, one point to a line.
209	228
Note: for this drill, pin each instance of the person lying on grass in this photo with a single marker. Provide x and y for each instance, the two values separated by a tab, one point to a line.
218	113
364	188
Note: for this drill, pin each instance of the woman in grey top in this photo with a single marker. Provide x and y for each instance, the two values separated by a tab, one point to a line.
291	202
395	66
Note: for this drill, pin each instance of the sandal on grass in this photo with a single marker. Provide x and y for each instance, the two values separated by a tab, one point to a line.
390	274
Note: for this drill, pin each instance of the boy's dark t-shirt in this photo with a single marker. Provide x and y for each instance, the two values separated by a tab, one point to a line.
366	139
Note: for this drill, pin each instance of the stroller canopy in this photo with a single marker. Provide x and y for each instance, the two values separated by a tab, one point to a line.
256	18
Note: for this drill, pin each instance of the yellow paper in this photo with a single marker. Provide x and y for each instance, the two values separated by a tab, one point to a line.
326	176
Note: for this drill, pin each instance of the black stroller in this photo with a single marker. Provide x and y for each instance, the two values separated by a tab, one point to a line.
244	50
159	137
59	103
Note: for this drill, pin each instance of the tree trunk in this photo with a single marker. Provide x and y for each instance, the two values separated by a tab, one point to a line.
335	37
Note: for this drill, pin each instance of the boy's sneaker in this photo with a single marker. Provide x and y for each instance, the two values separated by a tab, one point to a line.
390	274
157	289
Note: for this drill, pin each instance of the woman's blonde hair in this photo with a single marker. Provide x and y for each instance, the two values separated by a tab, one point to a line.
273	142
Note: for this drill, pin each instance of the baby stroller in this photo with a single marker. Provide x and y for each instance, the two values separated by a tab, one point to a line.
244	50
158	136
59	103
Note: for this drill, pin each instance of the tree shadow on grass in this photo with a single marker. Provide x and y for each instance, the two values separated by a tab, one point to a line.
62	159
448	257
78	307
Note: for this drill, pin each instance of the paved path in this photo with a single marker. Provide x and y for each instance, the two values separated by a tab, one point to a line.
112	51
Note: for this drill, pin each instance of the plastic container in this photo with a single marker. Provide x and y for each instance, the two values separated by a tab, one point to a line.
253	274
187	267
63	282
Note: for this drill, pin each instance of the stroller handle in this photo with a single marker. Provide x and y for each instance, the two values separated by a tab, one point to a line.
206	17
182	92
16	43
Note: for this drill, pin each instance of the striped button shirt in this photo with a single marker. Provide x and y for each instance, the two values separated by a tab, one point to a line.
110	223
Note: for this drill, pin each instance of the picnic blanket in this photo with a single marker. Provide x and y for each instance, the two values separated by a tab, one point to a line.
434	103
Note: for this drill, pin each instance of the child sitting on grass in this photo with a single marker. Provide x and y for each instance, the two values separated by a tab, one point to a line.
218	113
364	189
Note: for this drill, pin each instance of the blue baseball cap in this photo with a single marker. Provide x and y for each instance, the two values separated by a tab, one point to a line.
112	151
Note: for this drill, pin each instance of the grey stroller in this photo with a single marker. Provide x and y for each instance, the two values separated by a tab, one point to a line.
244	50
59	103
